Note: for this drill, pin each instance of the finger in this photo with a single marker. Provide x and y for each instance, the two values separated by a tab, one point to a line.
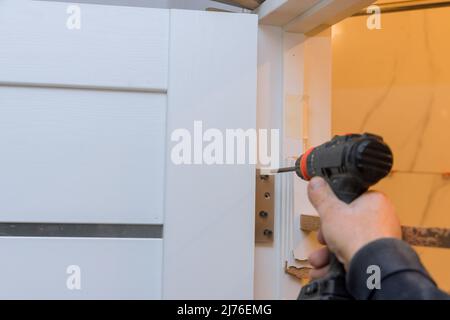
321	238
315	274
321	196
319	258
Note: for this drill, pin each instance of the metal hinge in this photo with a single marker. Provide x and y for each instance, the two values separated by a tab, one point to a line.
264	208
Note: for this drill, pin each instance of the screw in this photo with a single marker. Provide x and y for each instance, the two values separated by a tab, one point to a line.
263	214
268	233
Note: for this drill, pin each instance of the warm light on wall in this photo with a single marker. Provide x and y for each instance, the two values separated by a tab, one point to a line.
336	30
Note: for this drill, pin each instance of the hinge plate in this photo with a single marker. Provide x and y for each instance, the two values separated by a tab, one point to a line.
264	208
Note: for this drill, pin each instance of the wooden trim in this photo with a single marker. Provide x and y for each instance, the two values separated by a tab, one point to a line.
309	222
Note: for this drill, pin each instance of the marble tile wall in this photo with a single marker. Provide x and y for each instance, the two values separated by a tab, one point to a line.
396	82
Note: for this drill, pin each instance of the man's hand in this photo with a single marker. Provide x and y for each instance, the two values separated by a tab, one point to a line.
347	228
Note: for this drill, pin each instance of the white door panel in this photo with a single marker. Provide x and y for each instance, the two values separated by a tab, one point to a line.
81	156
63	268
115	47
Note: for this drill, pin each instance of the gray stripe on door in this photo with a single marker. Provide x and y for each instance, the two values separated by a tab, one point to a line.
70	230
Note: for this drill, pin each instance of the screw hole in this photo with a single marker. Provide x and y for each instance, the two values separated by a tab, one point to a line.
267	195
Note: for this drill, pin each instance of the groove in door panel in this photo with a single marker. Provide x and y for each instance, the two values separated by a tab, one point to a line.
80	230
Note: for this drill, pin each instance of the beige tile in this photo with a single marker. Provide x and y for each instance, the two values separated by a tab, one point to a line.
396	82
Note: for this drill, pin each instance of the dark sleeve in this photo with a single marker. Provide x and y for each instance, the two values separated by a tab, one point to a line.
402	274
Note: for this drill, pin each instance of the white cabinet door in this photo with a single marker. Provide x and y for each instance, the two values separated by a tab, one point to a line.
87	112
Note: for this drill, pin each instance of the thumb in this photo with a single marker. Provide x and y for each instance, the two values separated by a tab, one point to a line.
321	196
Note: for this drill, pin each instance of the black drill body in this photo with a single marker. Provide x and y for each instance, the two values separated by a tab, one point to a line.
350	164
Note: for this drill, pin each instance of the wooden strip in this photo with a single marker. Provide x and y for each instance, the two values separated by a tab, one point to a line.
309	222
415	236
427	237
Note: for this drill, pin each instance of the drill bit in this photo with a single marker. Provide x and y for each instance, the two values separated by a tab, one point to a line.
271	172
284	170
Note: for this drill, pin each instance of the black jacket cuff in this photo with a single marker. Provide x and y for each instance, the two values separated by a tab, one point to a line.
390	255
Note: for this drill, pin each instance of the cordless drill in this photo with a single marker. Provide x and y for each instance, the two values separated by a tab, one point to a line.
350	164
